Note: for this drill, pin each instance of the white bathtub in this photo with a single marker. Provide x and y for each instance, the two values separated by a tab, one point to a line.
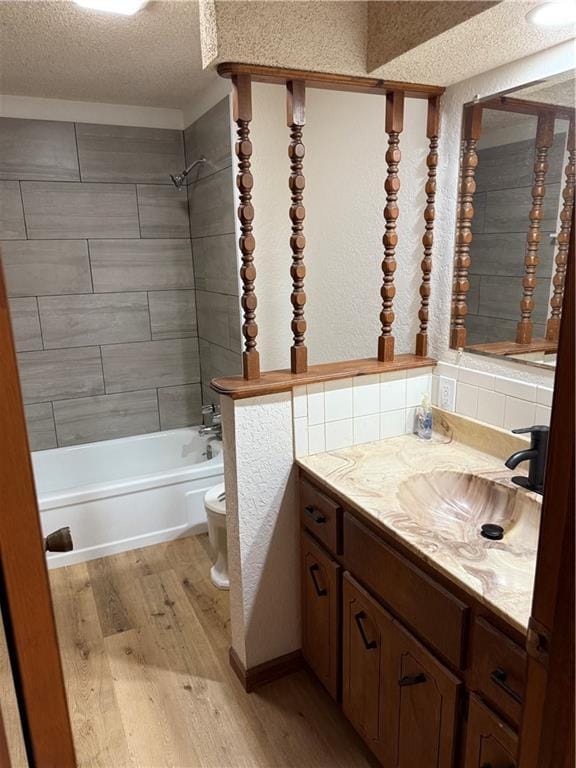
126	493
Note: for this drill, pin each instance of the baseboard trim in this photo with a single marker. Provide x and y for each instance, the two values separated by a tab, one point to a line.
261	674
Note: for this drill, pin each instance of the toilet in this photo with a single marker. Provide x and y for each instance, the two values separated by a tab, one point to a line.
215	505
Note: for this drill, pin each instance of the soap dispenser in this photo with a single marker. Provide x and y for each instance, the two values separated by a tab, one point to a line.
424	418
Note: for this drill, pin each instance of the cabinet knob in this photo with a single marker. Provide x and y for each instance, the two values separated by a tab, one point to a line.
317	517
412	679
499	678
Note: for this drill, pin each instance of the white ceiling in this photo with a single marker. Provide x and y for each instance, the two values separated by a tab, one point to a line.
55	49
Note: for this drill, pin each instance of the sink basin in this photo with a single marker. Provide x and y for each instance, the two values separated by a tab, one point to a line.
457	504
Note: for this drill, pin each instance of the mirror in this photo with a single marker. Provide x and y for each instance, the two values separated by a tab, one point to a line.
515	212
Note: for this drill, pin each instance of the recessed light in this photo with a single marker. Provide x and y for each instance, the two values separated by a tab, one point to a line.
553	14
122	7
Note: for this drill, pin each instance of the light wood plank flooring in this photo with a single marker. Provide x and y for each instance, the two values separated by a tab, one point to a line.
144	639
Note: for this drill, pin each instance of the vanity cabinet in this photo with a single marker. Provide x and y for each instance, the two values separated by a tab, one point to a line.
489	741
407	654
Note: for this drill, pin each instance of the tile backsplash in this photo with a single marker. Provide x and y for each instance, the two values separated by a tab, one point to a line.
495	400
337	414
345	412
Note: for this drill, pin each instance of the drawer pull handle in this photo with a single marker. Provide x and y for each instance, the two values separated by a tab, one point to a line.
315	516
498	677
412	679
319	590
368	644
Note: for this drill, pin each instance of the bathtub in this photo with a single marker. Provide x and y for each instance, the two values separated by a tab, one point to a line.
126	493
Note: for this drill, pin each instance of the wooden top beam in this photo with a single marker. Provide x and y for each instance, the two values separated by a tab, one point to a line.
328	81
283	380
526	107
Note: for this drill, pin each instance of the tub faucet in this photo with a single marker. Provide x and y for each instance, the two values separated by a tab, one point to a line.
536	455
214	418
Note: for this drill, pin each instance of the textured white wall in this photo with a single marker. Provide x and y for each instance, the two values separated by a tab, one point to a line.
262	522
344	199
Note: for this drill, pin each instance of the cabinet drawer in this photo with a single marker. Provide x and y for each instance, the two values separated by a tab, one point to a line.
426	607
499	669
322	516
320	613
489	741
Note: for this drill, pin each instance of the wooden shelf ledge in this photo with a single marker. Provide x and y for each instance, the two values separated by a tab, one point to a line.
283	380
506	348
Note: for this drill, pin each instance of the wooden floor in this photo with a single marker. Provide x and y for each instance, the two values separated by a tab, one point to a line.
144	639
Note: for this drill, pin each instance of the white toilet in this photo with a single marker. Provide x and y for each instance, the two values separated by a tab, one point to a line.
215	505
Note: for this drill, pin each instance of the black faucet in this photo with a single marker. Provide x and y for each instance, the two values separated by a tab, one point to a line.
536	455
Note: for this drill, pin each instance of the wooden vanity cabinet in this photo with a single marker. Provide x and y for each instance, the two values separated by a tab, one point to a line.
321	613
409	653
490	743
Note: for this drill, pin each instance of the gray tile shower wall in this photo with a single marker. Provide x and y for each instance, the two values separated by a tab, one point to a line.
97	253
212	211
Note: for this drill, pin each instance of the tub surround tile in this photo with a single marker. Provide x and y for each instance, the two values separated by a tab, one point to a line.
372	479
38	150
209	137
60	374
25	324
217	361
172	314
80	321
180	406
218	320
506	209
141	265
40	426
150	364
215	264
61	210
211	205
87	419
12	226
46	267
163	211
129	154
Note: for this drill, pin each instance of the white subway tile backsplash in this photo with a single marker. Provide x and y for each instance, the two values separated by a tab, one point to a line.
410	421
301	437
316	439
414	373
366	428
518	413
339	434
544	395
299	402
338	399
476	378
542	415
392	424
315	397
417	387
467	400
434	390
491	407
392	376
392	395
366	394
447	369
513	388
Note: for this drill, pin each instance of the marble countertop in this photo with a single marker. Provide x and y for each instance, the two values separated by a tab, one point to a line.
389	482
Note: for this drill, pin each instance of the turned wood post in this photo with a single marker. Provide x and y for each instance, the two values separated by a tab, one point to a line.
566	217
242	112
394	126
544	139
432	132
472	130
296	119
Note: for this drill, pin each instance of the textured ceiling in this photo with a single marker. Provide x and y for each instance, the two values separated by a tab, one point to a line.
59	50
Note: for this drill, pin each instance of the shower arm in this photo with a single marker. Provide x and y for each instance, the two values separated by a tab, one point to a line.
179	179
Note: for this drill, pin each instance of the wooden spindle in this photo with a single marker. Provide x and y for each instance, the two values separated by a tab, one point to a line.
544	139
296	119
432	132
242	112
394	126
566	218
472	130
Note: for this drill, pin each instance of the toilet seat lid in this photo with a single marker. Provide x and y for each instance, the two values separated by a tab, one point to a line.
211	501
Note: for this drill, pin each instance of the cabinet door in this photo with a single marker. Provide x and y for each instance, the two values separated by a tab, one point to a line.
489	742
320	613
426	694
366	665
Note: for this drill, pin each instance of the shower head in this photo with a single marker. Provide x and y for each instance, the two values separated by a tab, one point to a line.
179	179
